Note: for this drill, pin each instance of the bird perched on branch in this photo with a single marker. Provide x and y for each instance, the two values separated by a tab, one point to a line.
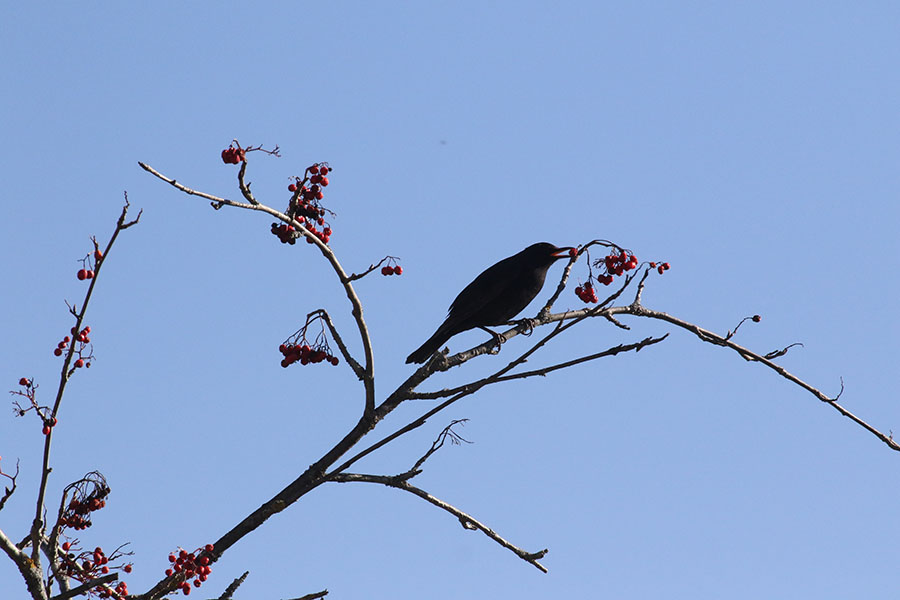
496	296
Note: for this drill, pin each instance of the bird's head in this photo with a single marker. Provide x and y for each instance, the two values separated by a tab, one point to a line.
546	252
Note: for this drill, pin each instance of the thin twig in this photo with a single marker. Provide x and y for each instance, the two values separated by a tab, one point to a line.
468	521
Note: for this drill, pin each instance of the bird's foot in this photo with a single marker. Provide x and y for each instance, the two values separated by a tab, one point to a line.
497	340
526	325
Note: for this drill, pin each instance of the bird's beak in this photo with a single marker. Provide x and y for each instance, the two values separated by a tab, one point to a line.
562	252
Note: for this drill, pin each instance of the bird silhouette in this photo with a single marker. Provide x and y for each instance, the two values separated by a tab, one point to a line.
496	296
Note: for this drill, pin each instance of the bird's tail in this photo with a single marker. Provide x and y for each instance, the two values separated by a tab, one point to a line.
431	345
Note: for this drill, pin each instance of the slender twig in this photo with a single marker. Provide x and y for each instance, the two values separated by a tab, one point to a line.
446	433
9	490
468	521
233	586
245	187
357	368
38	523
355	276
313	596
710	337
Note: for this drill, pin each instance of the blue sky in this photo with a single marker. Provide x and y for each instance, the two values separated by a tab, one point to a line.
753	146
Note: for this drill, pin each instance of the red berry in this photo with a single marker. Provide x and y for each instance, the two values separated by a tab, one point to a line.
324	181
104	569
46	430
127	568
387	270
66	546
324	170
757	318
209	547
660	269
573	251
82	274
79	363
169	572
24	381
666	266
90	274
292	187
313	169
57	352
197	583
653	265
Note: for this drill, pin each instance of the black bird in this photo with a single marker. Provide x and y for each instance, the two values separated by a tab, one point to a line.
496	296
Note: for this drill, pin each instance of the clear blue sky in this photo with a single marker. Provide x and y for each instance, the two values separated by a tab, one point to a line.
754	146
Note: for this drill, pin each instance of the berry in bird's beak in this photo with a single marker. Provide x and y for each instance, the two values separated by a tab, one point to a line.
563	252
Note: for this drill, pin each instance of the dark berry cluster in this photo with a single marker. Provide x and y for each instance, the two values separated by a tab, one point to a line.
305	206
660	268
298	349
305	354
190	565
233	155
78	513
87	565
587	293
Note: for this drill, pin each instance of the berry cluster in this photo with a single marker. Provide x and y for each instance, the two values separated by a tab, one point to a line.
81	341
660	268
87	270
191	565
615	264
297	349
87	565
392	268
48	421
304	354
233	155
586	293
305	206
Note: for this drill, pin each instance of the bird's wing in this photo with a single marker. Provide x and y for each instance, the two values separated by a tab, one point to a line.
490	285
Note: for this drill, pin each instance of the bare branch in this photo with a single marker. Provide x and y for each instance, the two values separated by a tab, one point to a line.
357	368
447	432
712	338
314	596
233	586
355	276
81	589
468	521
9	490
346	282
